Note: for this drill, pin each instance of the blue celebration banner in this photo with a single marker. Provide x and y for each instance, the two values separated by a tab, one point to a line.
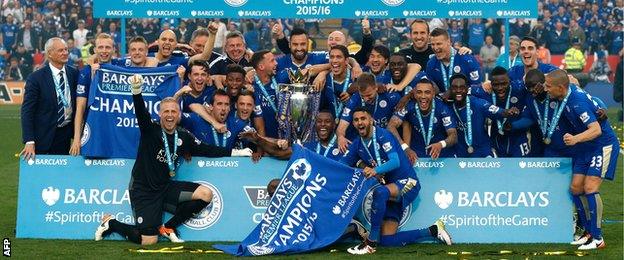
481	200
111	129
319	9
313	204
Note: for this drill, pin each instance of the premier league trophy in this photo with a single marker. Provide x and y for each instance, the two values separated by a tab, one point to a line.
298	105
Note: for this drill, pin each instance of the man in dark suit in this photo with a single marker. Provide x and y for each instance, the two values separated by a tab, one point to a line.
49	102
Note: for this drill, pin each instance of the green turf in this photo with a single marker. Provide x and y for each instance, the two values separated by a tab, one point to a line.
10	134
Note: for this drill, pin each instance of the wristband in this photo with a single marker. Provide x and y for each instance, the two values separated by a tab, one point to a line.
405	146
443	143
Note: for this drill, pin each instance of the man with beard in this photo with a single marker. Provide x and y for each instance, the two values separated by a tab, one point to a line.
421	50
198	90
381	105
333	39
235	53
299	57
447	61
379	154
528	52
473	141
599	156
433	131
206	132
506	95
161	147
104	50
265	90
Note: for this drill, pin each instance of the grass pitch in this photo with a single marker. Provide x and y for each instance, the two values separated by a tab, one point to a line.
10	134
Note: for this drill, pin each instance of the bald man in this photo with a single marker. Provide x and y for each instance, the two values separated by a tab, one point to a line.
334	38
600	148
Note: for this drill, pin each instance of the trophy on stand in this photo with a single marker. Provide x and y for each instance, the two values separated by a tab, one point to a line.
298	105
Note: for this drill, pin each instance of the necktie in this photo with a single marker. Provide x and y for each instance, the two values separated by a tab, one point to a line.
61	106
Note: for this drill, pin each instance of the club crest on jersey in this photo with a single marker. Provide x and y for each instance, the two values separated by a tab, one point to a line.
456	69
383	103
514	100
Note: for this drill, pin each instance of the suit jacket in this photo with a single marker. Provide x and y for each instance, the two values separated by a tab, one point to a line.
34	37
40	106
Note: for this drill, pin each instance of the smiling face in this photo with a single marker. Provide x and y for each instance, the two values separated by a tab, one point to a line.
500	86
459	89
167	43
244	106
398	67
377	62
420	35
221	107
424	95
363	123
234	81
104	49
299	47
235	48
528	50
169	113
198	78
441	46
338	62
58	53
138	52
325	125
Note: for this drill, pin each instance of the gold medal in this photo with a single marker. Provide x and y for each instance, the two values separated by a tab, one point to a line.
547	140
470	149
171	173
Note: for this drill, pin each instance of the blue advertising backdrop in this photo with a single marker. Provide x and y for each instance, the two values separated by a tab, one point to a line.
481	200
321	9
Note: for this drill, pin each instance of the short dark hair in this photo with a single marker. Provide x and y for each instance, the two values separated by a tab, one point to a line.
258	57
439	32
200	63
427	81
298	31
381	49
398	54
235	68
533	77
199	32
219	92
361	109
459	76
498	71
327	111
531	39
138	39
342	49
365	80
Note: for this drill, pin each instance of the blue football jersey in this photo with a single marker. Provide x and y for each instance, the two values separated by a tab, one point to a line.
331	152
382	145
442	121
479	111
205	132
313	58
205	98
464	64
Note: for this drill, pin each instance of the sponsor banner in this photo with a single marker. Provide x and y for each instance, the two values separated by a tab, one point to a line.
316	8
481	200
111	129
11	92
313	204
504	200
65	197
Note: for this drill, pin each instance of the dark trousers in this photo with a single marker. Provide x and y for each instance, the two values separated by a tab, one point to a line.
61	142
